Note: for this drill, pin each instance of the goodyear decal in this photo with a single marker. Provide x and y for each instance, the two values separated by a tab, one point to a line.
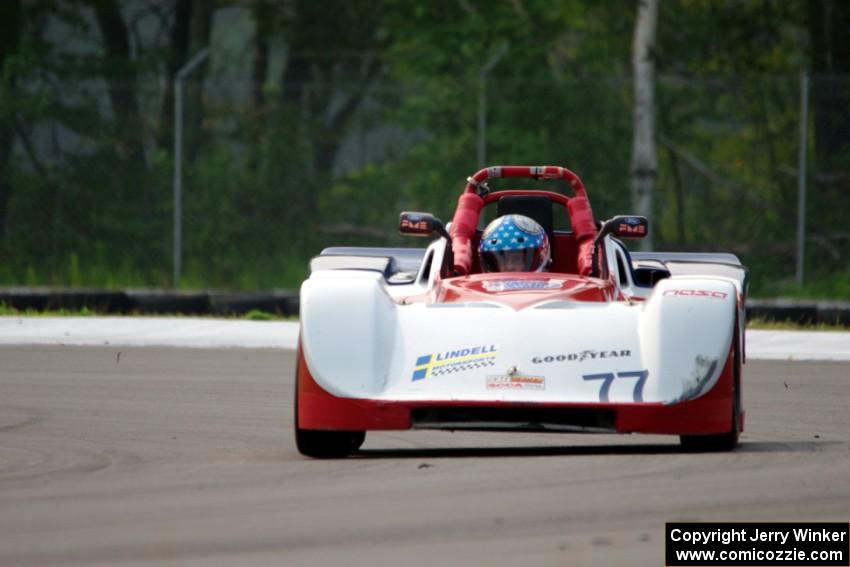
454	361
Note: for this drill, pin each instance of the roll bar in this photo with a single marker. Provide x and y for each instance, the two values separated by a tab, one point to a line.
472	200
478	180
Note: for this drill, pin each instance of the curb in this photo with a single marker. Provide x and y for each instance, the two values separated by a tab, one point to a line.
285	303
150	301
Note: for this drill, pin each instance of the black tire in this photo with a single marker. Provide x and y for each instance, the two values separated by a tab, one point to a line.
322	444
722	441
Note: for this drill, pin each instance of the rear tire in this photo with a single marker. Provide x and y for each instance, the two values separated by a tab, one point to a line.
722	441
322	444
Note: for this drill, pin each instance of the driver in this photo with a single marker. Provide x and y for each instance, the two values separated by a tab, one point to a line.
514	243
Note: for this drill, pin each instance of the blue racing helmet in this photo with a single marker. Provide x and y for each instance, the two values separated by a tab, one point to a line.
514	243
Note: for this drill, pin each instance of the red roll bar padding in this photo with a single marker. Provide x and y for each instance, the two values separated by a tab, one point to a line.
462	230
532	171
470	204
581	219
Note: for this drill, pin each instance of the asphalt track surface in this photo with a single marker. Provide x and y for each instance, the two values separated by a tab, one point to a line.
135	456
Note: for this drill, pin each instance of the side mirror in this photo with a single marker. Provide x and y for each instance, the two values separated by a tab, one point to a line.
624	226
421	224
621	226
630	226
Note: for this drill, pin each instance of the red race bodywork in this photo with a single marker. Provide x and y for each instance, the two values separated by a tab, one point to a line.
708	414
568	280
485	287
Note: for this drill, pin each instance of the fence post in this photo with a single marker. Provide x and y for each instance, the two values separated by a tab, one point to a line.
801	175
177	251
482	101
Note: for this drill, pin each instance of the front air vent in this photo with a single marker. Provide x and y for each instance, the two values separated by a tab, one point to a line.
515	418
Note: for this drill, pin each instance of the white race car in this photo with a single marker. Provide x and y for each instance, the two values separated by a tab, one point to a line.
602	341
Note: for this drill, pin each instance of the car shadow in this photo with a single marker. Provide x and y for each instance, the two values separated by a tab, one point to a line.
585	450
786	446
548	451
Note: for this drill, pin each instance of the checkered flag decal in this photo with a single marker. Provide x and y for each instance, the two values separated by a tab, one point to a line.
471	365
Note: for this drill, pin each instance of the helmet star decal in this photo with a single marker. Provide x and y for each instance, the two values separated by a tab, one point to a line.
514	243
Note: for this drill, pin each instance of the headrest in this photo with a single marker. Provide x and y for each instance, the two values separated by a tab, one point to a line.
535	207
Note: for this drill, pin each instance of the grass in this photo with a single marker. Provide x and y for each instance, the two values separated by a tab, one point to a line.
253	315
8	311
769	325
257	315
834	286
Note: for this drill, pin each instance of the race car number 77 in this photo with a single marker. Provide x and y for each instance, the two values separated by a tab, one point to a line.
608	377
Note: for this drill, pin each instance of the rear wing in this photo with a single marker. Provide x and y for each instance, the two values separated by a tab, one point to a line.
649	267
398	265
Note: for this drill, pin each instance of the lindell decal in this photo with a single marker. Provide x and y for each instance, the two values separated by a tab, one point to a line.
451	361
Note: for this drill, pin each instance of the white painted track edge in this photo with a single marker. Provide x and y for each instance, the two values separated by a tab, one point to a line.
188	332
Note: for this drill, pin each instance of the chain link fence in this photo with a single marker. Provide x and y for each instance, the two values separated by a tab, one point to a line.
274	174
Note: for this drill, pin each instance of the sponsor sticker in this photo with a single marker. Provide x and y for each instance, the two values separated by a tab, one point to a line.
696	293
631	229
581	356
451	361
521	285
414	223
516	382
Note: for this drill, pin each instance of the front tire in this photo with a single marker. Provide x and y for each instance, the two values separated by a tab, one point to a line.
715	443
722	441
321	444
